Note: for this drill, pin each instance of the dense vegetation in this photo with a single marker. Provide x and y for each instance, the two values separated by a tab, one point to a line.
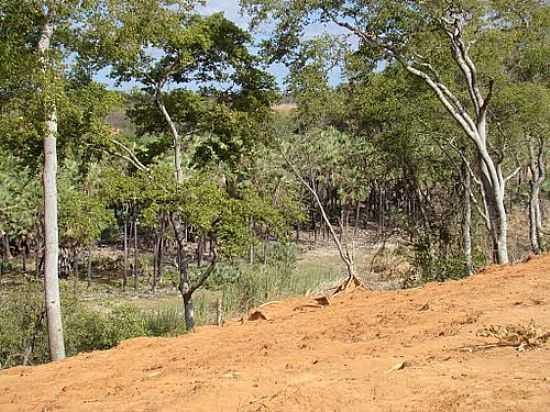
427	121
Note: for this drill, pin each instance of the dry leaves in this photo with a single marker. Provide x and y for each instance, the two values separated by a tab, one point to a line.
519	336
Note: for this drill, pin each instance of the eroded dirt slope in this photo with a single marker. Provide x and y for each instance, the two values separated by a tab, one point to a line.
367	351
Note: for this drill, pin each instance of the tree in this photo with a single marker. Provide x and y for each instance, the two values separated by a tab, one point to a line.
345	251
51	241
408	146
521	113
83	212
179	50
414	39
18	197
188	49
40	36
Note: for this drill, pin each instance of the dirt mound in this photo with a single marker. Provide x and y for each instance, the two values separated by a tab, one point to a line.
440	348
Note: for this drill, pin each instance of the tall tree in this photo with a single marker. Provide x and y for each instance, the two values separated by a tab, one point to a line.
40	40
51	239
415	39
169	51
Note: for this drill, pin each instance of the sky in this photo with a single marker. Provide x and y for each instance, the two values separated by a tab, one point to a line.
230	8
232	11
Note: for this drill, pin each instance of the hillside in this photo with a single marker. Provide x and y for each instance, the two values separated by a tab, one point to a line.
413	350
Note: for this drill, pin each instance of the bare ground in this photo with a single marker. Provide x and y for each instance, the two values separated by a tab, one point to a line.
414	350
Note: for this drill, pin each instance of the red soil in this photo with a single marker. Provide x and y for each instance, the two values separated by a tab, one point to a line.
366	351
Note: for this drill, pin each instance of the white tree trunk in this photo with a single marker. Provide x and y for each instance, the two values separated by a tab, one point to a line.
536	169
467	223
473	122
184	285
175	137
494	189
51	279
534	235
502	229
345	255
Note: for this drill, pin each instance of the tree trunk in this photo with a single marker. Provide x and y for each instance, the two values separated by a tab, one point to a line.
135	269
89	268
219	310
175	135
155	257
467	222
357	224
188	310
125	272
6	246
536	169
381	210
200	250
251	254
534	236
76	273
24	250
185	290
345	255
157	269
252	248
494	190
475	126
161	253
51	280
184	286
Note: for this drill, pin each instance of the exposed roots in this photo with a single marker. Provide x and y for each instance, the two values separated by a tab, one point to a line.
351	283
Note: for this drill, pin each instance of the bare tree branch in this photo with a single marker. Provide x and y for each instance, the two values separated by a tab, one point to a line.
343	255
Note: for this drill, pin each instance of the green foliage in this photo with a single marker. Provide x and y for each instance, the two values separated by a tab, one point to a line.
432	266
103	326
257	284
209	51
18	197
88	330
381	131
83	214
85	329
163	321
245	286
20	319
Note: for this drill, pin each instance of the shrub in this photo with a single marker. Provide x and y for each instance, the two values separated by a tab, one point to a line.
23	329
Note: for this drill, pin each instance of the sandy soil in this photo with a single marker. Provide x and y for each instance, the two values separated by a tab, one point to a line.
411	350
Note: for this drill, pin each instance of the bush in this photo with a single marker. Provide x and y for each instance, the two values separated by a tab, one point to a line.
165	321
23	328
20	320
432	266
86	328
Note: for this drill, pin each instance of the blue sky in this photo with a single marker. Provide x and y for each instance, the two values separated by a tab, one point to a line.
232	11
230	8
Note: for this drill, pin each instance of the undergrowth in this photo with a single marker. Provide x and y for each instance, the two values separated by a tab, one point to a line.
103	324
